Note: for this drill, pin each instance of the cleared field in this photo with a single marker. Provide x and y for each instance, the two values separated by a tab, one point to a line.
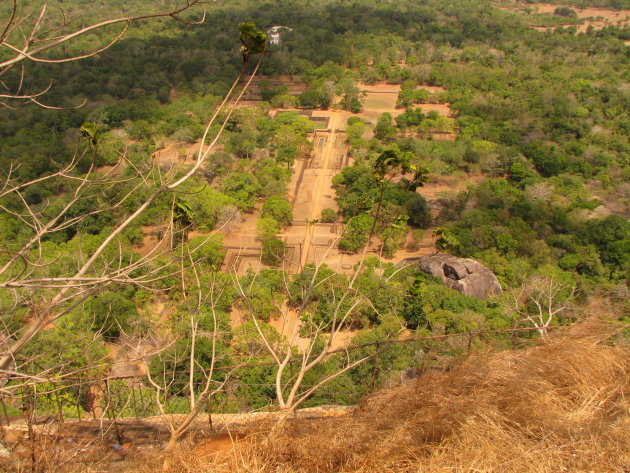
611	16
286	326
379	88
380	102
378	99
598	18
583	28
441	108
381	98
294	85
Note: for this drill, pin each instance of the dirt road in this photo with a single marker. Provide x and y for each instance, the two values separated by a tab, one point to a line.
324	170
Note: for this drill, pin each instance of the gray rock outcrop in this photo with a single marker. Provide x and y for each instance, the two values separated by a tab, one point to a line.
465	275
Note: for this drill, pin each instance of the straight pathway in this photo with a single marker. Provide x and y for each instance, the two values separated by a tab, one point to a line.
316	210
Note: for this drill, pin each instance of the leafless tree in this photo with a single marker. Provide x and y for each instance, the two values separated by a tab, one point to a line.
229	217
314	340
539	191
23	268
197	393
539	300
38	36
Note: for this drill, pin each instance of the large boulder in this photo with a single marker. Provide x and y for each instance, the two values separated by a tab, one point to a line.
465	275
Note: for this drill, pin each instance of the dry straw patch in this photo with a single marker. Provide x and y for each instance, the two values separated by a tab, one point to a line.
559	406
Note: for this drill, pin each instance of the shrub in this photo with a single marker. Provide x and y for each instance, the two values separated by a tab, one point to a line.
565	11
356	234
273	250
279	209
418	210
416	240
329	216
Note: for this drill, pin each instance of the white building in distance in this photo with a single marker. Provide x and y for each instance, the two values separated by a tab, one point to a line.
273	34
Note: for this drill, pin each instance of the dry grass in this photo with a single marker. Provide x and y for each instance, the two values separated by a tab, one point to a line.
559	406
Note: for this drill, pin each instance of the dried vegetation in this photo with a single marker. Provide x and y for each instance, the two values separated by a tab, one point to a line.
561	405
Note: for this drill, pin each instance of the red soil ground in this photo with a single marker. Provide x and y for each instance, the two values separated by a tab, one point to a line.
598	18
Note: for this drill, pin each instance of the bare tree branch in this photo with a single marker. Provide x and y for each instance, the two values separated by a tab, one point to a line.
67	286
539	300
37	40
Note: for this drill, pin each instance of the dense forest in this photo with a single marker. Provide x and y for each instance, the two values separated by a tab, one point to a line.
541	121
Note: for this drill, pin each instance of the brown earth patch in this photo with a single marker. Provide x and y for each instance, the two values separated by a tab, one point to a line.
588	12
216	448
441	108
379	88
444	136
295	86
151	240
598	18
179	154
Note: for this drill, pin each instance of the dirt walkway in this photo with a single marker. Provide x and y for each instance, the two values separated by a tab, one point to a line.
316	209
152	429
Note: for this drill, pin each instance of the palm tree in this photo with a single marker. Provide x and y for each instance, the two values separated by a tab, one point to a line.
386	165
